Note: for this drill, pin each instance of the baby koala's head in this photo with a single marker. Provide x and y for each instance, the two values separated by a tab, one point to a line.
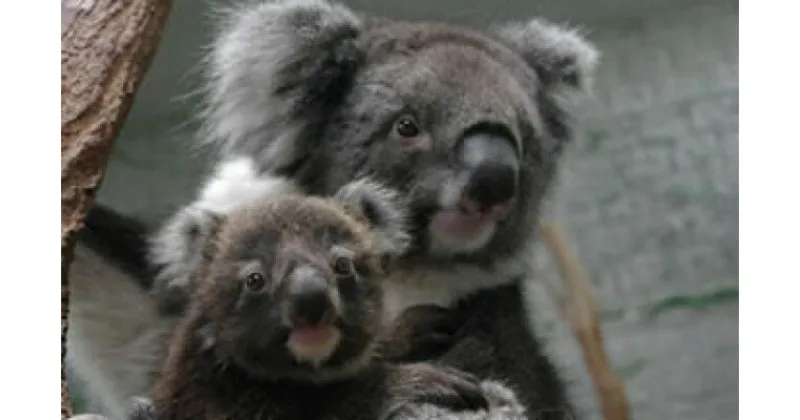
290	288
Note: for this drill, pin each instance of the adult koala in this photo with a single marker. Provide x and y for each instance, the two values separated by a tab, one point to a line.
307	95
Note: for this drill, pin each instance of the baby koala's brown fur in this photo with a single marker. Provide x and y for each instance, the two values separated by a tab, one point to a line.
229	358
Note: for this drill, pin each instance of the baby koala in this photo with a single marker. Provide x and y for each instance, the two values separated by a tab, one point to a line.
286	315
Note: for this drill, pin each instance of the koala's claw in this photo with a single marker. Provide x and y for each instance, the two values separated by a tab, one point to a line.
460	392
502	405
423	383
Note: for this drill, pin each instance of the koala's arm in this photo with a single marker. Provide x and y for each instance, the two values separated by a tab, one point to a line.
487	336
496	341
425	331
503	405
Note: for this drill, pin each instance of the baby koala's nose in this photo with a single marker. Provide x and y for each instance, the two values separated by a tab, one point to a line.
311	308
311	300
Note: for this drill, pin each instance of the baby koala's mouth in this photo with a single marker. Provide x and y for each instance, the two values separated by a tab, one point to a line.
313	344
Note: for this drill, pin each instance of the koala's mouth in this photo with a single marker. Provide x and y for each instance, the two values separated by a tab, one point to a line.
456	223
465	213
455	230
313	344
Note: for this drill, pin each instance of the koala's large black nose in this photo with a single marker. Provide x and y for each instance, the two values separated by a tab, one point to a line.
310	298
491	185
492	170
310	308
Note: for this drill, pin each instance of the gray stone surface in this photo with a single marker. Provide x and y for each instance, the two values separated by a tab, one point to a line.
648	195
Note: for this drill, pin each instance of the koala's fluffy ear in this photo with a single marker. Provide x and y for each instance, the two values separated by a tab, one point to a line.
564	61
384	209
273	68
178	251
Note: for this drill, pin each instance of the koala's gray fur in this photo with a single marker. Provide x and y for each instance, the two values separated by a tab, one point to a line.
505	406
302	95
381	205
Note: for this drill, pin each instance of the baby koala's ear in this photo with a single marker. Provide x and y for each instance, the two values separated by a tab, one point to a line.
178	251
384	209
208	245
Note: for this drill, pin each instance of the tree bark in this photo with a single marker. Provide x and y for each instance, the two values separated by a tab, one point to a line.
106	48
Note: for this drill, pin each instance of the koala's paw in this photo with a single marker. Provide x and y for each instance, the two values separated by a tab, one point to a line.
502	405
420	384
176	252
140	408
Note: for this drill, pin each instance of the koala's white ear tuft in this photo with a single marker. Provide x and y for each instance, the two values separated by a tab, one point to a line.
273	68
178	251
564	60
384	209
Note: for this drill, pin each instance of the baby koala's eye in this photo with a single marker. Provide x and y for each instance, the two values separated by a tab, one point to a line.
255	281
406	126
343	266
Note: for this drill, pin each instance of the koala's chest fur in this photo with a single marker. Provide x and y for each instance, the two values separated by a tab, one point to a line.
406	288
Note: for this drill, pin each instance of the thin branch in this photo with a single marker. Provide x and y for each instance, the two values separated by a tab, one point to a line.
580	309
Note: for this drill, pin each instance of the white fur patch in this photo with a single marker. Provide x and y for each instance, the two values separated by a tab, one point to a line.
431	286
237	181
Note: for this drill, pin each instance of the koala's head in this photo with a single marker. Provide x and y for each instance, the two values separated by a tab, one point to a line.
468	125
291	288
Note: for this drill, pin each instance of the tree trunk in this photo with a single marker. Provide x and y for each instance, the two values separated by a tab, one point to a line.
106	48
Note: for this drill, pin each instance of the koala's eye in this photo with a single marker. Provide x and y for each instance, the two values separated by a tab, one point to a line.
406	126
255	281
343	266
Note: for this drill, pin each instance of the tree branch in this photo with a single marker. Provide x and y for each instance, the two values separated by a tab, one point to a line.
580	309
106	48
